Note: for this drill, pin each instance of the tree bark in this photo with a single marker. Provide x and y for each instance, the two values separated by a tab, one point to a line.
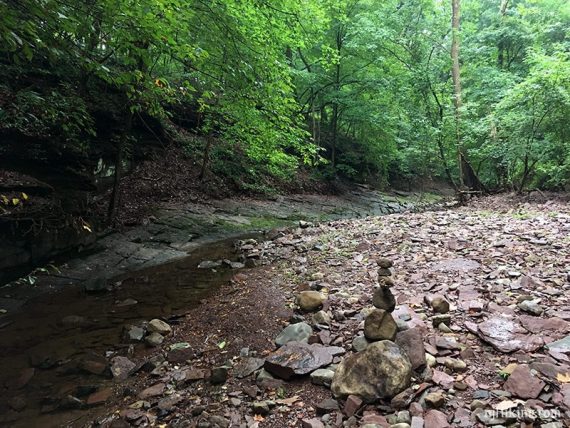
206	158
456	75
115	201
501	43
335	116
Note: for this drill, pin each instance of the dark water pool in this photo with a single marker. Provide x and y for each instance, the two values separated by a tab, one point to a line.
49	335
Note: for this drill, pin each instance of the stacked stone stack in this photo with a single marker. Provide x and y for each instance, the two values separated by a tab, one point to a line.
379	324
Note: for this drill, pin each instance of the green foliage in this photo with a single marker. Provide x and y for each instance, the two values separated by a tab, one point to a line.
358	88
59	112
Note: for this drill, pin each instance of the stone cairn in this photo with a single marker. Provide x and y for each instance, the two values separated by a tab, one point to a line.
381	368
379	324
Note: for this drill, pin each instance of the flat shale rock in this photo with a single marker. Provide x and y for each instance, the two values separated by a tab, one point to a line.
562	345
99	397
121	367
247	366
298	358
540	325
435	419
152	391
522	383
507	335
456	265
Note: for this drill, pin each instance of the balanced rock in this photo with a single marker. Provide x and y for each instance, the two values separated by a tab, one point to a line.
380	325
299	332
360	343
310	301
297	358
382	370
384	263
384	299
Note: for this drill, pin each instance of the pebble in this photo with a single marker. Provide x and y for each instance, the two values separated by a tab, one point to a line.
219	375
154	339
455	364
531	306
310	301
435	400
404	416
321	317
322	377
351	405
439	305
360	343
260	408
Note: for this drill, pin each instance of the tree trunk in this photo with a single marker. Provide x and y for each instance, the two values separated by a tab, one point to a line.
456	75
209	142
501	43
445	165
115	201
335	118
334	130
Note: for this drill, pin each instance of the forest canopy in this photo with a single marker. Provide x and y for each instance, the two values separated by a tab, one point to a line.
363	89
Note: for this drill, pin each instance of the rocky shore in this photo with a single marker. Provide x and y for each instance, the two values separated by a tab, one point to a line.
454	318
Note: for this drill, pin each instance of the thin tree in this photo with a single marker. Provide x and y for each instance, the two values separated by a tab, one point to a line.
456	75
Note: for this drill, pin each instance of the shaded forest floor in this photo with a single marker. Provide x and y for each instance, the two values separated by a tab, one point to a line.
501	263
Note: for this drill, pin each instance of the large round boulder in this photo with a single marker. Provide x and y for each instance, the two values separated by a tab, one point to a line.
381	371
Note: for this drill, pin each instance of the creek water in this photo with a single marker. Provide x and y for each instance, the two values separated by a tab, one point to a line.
51	334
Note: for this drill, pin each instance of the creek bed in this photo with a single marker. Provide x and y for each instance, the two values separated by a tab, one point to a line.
52	333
